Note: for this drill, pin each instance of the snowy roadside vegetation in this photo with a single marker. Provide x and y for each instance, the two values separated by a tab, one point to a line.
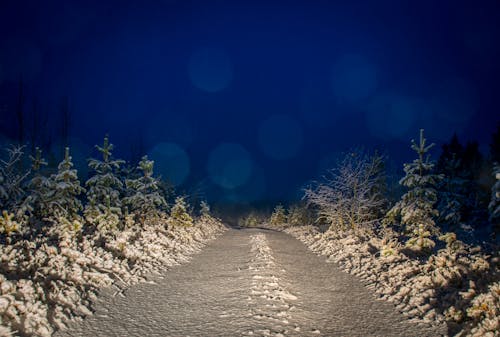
408	250
61	240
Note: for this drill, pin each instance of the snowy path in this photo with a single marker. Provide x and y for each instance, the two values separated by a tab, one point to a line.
249	283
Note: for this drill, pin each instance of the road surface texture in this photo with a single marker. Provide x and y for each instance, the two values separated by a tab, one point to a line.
249	282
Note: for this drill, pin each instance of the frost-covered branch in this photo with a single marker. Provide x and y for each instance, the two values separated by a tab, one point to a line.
350	196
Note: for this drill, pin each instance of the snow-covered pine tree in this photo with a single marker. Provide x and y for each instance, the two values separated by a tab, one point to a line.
39	186
278	217
104	187
62	199
204	209
144	198
494	206
179	215
415	211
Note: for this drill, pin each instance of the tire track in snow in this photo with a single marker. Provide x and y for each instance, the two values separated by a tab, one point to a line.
269	299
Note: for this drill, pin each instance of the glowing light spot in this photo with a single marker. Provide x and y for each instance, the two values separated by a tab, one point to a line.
391	116
229	165
210	69
280	137
171	161
353	78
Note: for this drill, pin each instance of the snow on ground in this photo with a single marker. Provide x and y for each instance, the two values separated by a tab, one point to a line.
249	283
459	286
49	282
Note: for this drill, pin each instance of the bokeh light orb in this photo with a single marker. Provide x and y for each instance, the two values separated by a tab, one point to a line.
280	137
391	117
354	78
171	161
229	165
210	69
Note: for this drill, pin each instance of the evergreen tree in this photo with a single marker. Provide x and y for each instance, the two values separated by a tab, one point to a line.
204	208
495	145
65	188
40	186
478	176
179	215
452	195
453	188
278	217
104	187
451	151
415	211
144	197
494	206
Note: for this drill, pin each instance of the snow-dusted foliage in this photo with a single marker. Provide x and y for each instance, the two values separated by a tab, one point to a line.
144	196
104	189
458	285
52	275
494	206
62	197
278	217
350	198
179	215
300	215
12	177
415	211
39	187
250	220
452	197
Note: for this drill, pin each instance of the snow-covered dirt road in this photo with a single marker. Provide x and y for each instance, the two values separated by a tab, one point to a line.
249	282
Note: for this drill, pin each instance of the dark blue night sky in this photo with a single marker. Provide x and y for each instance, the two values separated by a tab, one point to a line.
247	101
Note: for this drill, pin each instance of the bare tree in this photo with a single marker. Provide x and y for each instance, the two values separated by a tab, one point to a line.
351	195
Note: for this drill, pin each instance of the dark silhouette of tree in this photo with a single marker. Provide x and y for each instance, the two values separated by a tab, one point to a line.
20	112
65	123
450	151
495	145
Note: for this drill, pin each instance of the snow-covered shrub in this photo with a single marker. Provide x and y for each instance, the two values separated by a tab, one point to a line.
350	198
457	285
179	215
7	223
278	217
144	197
250	220
415	211
299	215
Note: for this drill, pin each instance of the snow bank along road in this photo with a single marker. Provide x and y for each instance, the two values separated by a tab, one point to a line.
249	282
